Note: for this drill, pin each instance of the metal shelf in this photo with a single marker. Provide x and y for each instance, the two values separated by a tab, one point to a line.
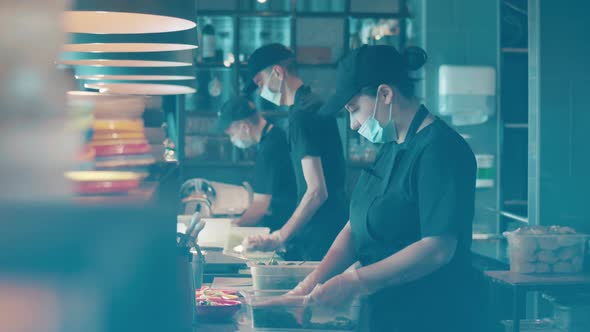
292	14
516	125
240	13
517	50
516	202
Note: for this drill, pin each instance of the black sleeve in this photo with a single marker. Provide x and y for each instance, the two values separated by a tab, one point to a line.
446	190
266	170
306	137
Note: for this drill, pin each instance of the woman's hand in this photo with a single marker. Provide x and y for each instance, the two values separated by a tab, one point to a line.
340	290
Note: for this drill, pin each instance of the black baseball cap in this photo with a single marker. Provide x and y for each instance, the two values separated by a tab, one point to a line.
369	66
264	57
235	109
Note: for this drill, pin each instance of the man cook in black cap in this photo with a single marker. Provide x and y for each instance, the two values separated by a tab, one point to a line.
316	154
274	181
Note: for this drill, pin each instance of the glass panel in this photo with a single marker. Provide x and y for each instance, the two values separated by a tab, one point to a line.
321	80
375	6
203	143
214	86
324	6
266	5
374	32
319	40
259	31
216	5
216	40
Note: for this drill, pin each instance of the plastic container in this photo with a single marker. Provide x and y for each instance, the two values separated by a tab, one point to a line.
273	311
284	276
546	253
536	325
571	314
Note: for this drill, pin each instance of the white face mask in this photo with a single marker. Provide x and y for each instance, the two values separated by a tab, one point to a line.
242	143
272	96
372	130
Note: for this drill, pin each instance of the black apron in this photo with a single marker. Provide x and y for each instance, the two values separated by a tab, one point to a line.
273	219
393	225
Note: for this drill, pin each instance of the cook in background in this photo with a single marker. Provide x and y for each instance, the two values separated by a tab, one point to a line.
411	212
316	154
274	182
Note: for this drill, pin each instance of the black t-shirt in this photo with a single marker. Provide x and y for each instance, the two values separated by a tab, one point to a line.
273	175
311	134
422	189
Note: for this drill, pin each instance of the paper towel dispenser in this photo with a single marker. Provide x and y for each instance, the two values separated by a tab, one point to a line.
467	93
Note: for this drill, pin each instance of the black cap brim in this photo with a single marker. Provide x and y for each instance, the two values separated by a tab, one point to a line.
221	125
337	102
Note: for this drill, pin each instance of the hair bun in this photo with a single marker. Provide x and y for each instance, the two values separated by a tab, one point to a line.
414	57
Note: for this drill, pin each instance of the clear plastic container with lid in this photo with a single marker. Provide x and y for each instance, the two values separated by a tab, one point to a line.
275	311
552	249
280	276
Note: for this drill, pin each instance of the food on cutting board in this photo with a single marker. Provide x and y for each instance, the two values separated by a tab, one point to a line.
537	249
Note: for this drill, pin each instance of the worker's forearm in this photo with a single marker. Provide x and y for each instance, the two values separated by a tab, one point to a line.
411	263
312	200
340	256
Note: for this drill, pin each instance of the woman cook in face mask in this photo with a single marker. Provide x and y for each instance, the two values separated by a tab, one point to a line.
411	211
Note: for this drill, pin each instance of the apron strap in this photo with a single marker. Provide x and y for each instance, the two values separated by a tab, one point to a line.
265	130
416	123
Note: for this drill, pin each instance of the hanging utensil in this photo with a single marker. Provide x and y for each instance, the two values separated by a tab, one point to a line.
195	219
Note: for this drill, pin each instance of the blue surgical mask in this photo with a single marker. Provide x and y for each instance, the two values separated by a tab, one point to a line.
242	143
372	130
272	96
